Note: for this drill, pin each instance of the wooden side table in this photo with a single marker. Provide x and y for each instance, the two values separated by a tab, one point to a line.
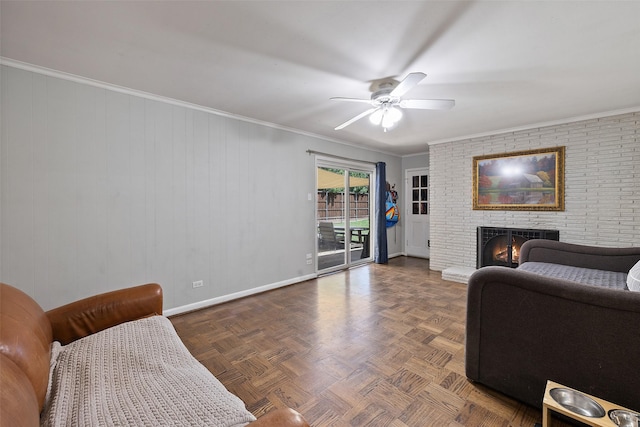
550	404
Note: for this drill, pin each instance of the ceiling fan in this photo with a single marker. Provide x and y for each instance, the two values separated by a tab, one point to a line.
386	101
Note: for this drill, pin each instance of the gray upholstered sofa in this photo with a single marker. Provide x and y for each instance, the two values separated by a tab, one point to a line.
524	327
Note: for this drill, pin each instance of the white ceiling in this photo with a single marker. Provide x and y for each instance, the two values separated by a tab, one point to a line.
508	64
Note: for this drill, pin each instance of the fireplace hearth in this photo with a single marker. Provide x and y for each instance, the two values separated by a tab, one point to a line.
501	246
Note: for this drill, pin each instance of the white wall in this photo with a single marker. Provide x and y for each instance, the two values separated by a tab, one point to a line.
602	191
102	190
416	161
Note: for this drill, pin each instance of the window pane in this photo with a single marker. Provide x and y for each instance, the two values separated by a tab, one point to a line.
416	196
424	208
424	181
424	195
416	182
416	208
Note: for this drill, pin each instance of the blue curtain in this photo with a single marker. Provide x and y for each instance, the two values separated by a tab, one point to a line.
380	254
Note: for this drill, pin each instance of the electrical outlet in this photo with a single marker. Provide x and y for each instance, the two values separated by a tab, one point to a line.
198	284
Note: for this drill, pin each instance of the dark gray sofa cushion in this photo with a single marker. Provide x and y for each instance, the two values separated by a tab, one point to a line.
586	276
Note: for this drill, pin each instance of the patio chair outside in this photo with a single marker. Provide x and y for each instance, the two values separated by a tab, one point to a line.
328	238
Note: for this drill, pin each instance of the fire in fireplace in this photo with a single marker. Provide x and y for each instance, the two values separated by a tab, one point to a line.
500	250
501	246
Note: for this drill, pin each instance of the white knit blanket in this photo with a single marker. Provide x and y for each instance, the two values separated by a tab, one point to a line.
136	374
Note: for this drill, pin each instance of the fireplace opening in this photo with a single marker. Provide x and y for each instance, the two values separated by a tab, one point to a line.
502	251
501	246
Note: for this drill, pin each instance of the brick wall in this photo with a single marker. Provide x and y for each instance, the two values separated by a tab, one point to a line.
602	187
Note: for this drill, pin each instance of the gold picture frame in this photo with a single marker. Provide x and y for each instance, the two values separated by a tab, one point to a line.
530	180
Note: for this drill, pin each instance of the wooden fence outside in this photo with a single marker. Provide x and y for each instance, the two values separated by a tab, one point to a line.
331	205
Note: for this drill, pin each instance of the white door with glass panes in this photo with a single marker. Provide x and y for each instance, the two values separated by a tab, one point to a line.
417	212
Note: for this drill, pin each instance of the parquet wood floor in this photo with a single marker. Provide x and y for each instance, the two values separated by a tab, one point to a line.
378	345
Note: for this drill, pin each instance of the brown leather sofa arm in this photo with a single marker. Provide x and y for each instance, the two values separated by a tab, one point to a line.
285	417
18	402
90	315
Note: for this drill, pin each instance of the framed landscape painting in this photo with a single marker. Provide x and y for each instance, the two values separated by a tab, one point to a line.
523	180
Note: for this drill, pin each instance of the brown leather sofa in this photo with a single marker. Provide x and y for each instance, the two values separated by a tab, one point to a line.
26	334
524	328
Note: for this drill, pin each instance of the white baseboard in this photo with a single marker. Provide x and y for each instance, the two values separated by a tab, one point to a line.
225	298
230	297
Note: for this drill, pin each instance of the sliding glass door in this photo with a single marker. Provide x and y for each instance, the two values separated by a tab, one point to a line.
343	215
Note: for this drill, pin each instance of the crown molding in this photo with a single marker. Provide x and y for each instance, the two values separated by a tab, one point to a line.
540	125
146	95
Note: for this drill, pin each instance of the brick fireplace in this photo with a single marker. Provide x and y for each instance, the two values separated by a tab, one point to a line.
501	246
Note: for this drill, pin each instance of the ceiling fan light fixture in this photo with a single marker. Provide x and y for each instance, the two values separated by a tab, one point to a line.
376	117
386	116
386	102
394	114
387	123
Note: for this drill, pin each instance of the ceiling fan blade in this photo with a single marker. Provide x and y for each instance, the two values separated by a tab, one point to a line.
337	98
407	84
356	118
428	104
